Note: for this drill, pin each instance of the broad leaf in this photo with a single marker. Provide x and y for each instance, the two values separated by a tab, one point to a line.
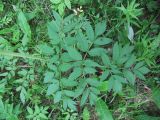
64	67
130	61
80	88
102	41
55	1
48	77
23	95
45	49
57	96
91	63
100	28
61	8
103	86
75	74
52	88
69	93
89	31
156	96
54	36
70	41
1	6
144	70
103	111
82	41
57	17
116	52
104	75
115	84
86	114
89	70
71	104
92	98
95	90
138	65
65	57
65	100
84	96
29	110
93	82
105	59
68	3
139	74
22	21
130	76
97	51
74	54
68	83
52	26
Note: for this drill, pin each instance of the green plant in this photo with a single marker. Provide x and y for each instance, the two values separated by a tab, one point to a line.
82	2
148	48
131	12
69	115
103	111
1	6
39	113
152	5
86	114
8	111
6	19
60	5
72	57
79	66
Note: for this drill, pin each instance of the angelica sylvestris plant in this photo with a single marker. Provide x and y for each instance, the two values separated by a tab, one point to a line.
80	68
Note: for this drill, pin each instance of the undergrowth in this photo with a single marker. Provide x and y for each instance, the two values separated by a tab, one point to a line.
79	60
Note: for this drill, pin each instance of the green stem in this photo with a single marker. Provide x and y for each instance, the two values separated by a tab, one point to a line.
20	55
